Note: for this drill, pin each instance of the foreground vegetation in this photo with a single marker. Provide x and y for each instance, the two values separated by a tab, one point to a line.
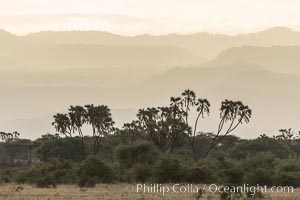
162	146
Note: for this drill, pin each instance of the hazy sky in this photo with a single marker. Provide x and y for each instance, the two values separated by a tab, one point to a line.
132	17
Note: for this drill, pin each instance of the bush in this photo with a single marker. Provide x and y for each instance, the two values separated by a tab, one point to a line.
205	171
232	176
141	152
261	176
94	170
47	174
6	176
260	145
258	169
142	172
287	172
170	169
63	148
136	160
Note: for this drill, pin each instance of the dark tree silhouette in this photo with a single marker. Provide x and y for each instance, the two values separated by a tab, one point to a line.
77	115
202	109
286	135
234	113
99	117
188	99
131	130
165	126
63	125
186	103
9	137
9	140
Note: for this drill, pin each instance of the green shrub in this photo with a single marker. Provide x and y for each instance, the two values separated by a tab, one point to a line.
232	176
261	176
94	170
170	169
63	148
287	172
6	176
205	171
135	162
258	169
142	172
47	174
141	152
246	148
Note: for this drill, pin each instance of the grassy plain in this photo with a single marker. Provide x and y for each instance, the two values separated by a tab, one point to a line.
110	191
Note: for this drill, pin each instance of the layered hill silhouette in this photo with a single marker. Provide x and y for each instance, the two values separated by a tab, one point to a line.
43	73
283	59
94	48
87	56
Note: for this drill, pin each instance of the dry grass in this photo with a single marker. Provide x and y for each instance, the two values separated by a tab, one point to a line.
106	191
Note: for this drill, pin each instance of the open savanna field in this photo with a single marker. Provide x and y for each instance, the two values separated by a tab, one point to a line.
110	191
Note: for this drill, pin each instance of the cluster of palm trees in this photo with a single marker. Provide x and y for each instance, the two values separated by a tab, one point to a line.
71	124
167	126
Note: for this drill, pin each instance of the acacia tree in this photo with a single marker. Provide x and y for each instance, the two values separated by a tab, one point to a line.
233	113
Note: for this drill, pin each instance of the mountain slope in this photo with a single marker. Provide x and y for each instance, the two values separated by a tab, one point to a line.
86	56
171	49
204	45
285	59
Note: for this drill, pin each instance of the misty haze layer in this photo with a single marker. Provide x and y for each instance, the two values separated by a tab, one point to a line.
43	73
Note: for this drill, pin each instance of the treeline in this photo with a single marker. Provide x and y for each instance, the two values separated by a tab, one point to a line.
163	145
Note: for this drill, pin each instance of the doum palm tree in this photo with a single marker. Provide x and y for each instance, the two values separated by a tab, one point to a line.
77	115
188	99
99	117
233	112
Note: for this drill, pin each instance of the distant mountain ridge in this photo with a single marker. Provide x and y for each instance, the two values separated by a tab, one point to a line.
42	73
284	59
91	56
173	49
